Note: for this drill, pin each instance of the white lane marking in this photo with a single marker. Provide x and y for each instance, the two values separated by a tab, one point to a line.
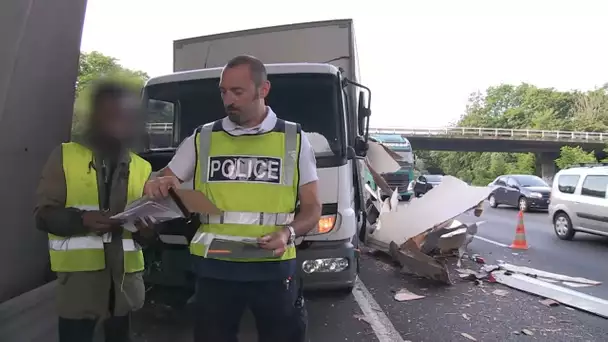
490	241
382	326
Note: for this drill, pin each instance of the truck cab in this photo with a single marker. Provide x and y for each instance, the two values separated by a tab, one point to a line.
317	97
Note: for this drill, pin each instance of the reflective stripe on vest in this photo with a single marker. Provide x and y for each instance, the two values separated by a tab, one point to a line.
253	179
240	217
86	253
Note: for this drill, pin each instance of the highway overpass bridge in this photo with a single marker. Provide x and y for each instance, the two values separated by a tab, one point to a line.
545	144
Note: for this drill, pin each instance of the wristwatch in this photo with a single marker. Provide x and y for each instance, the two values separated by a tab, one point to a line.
292	235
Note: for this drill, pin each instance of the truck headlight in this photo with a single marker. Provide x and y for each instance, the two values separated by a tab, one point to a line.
325	265
536	195
326	224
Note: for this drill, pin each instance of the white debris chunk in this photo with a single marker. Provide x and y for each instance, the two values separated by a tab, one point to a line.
549	275
405	295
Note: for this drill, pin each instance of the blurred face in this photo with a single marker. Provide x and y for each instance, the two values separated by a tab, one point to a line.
118	117
243	101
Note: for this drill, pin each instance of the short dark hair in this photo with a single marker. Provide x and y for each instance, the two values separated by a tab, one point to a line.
107	90
256	68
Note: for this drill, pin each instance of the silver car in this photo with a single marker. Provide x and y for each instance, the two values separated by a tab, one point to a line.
578	201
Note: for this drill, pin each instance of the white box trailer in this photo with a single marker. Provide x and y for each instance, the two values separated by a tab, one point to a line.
313	72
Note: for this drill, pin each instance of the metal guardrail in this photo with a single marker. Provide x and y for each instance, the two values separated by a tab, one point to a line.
495	133
160	127
463	132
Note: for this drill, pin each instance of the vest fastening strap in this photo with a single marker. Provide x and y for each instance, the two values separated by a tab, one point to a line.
236	217
289	159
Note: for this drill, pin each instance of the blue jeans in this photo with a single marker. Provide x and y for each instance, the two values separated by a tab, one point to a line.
277	306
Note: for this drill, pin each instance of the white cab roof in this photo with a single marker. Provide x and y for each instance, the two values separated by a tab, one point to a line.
284	68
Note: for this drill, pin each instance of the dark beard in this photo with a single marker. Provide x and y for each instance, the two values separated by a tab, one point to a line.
236	118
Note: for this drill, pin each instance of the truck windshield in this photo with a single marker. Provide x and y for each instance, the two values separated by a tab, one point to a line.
312	100
407	159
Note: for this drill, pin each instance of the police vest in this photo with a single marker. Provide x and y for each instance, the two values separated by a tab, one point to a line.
252	179
86	252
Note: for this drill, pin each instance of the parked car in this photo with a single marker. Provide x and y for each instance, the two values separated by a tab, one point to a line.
424	184
522	191
578	201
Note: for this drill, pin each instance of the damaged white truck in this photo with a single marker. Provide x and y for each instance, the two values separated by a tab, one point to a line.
314	75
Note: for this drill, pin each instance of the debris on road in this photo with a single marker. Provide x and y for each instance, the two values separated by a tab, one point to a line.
527	332
531	272
361	318
547	290
436	209
419	234
416	262
468	336
549	302
405	295
500	292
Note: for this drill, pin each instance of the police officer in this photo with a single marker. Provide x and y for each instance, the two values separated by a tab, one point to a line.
254	167
98	263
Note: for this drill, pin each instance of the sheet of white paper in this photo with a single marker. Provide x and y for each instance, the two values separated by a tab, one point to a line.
148	208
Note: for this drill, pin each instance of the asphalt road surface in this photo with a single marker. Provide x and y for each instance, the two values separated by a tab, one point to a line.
584	256
446	313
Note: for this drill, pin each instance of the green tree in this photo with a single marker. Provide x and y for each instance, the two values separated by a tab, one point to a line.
92	67
523	107
573	155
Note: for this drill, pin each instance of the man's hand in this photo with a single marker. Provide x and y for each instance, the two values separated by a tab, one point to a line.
277	242
159	187
99	222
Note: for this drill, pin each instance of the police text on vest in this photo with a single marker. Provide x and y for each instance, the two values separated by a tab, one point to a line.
245	169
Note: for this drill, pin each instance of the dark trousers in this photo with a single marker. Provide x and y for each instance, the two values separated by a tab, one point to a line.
277	306
116	329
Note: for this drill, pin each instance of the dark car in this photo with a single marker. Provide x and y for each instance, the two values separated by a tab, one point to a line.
522	191
424	183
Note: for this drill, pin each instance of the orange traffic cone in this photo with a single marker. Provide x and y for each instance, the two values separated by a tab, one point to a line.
520	234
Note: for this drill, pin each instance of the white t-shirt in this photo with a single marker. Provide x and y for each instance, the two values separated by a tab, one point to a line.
184	160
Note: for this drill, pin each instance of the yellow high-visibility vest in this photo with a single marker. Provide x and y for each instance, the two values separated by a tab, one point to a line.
253	179
86	252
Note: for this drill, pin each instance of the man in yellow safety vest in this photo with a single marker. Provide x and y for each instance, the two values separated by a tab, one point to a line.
98	263
255	167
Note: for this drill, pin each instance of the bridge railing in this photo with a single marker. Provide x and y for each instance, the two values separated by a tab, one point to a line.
495	133
460	132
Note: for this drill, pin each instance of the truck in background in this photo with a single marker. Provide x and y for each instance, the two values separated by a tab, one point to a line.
400	179
314	75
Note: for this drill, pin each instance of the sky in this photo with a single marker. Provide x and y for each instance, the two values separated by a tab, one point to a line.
421	59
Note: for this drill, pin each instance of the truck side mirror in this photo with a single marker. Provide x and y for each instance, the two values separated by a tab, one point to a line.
361	146
363	114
